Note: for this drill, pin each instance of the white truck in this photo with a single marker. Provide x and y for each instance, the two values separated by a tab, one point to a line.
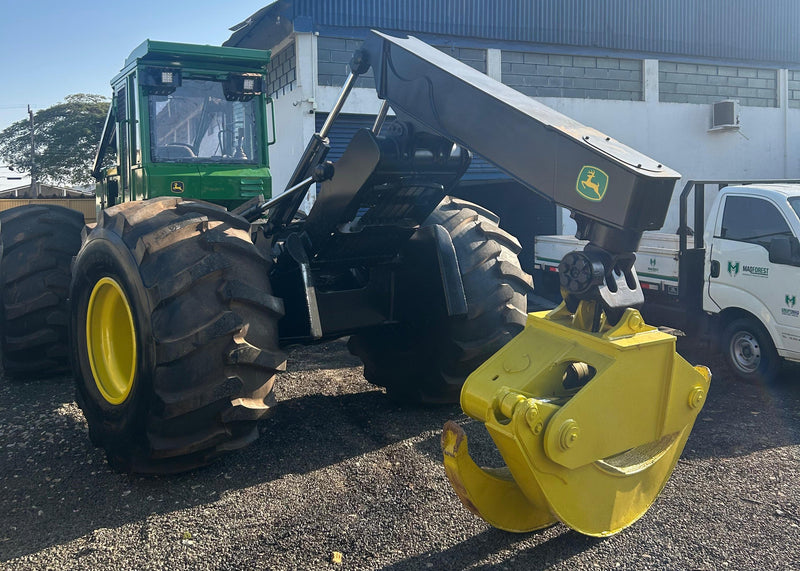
738	283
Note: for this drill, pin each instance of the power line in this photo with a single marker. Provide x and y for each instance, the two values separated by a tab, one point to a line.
34	188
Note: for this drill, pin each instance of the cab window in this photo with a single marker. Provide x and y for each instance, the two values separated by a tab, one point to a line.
753	220
198	123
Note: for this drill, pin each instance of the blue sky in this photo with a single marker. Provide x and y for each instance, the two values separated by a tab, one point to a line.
50	49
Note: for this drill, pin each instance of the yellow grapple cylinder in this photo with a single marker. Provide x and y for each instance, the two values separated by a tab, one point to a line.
590	425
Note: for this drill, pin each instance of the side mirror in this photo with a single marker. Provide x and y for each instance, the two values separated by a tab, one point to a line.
785	250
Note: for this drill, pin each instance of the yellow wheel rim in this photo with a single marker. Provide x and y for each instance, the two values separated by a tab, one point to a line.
111	341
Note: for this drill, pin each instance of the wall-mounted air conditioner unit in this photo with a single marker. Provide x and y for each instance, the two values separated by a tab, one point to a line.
724	115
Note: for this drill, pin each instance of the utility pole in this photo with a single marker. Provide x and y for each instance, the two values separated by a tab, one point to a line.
34	188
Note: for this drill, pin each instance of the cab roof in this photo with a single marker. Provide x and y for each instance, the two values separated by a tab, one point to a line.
195	55
784	190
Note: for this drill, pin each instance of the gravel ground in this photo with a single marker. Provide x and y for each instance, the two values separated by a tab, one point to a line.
340	469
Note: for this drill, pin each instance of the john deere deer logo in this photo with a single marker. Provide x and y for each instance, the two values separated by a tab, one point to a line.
592	183
177	186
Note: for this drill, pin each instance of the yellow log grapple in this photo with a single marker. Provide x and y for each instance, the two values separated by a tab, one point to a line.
590	425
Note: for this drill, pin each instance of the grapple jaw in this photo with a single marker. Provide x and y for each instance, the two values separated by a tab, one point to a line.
590	425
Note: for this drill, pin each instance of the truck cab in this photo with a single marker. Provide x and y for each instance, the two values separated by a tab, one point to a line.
186	120
753	269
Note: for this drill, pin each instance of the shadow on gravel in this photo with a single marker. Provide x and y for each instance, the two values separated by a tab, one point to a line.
57	487
468	554
329	355
311	432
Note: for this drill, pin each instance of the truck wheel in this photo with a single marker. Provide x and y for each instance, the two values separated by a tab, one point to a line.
175	334
749	351
37	244
424	363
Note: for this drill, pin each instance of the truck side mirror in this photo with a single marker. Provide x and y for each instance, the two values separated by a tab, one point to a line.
785	250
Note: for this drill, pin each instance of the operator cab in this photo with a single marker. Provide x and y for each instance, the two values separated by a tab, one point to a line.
186	121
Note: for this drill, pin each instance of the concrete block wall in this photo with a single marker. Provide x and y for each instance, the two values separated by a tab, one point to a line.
701	83
281	72
794	88
579	77
333	55
473	57
590	77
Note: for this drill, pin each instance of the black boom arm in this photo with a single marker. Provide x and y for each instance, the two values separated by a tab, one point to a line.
544	150
614	192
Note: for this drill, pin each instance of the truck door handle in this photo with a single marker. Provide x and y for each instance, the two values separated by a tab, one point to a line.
714	268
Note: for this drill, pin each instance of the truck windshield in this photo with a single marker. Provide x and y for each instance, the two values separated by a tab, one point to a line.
196	123
794	202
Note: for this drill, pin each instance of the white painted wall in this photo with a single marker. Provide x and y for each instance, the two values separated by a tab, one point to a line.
294	117
360	100
294	125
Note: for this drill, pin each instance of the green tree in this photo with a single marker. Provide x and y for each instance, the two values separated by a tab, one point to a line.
66	137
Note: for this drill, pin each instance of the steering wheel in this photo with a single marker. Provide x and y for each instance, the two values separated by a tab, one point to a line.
184	146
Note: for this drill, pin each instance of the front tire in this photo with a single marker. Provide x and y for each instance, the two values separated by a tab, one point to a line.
175	334
429	362
37	244
749	352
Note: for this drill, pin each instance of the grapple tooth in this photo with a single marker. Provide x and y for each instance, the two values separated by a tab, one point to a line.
491	494
593	453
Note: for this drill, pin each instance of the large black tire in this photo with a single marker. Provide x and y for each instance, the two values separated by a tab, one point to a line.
205	328
37	244
429	362
749	352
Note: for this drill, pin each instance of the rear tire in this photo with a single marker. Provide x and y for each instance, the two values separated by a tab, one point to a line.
749	352
200	371
37	244
429	362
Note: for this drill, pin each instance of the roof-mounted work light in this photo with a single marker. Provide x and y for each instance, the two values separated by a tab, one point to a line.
243	86
160	80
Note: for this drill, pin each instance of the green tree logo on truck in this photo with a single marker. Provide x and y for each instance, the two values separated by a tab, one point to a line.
789	309
733	268
592	183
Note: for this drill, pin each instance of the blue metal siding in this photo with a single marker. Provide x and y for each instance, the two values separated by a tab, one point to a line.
746	30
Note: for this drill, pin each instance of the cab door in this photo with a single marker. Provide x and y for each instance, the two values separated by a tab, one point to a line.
742	274
128	140
123	141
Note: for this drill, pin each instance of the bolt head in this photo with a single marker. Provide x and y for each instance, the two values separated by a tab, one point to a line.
696	397
569	434
532	413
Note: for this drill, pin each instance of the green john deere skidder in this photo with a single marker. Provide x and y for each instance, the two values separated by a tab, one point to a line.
178	319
